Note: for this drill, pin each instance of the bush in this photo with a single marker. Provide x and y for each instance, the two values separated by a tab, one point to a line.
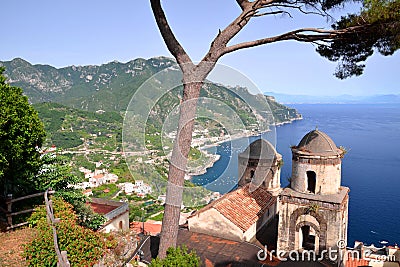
56	174
84	247
177	257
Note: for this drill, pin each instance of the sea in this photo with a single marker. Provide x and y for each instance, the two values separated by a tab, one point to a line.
371	168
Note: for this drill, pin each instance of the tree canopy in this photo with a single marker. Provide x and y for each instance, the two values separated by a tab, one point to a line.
21	135
377	27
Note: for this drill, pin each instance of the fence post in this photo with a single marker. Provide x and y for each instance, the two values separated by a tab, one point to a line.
62	256
9	209
65	259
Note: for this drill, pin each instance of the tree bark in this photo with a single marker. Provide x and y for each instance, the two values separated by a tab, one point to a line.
177	167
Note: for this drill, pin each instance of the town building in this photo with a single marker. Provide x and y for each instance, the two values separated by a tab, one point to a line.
116	213
140	188
97	178
311	213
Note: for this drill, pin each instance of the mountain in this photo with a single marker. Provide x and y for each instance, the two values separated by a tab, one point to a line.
110	87
107	87
341	99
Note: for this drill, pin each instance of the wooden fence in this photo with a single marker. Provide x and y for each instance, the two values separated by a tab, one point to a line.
61	255
9	209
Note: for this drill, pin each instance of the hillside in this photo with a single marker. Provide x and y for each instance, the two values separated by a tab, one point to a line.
68	127
110	87
83	109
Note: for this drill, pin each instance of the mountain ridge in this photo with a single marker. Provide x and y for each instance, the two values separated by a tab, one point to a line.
110	86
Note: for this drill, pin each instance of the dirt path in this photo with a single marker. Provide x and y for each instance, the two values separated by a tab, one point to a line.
11	247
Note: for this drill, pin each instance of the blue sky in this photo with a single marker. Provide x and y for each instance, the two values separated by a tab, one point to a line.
63	33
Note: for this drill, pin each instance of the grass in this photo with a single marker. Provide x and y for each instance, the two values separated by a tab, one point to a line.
158	217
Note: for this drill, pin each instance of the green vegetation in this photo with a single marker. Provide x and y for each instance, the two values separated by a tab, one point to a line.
84	246
21	133
95	138
121	169
142	210
88	88
378	30
68	127
105	191
158	217
179	257
312	208
55	173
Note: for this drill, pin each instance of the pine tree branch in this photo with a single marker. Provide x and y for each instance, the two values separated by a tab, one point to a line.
172	43
302	35
243	4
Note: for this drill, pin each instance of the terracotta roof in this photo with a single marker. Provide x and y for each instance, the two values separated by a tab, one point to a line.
242	207
101	208
98	176
317	143
353	262
260	149
149	228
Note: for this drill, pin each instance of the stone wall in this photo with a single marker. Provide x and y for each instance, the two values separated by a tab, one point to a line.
329	221
211	222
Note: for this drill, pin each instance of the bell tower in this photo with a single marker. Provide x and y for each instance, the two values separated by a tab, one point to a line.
313	212
260	164
317	165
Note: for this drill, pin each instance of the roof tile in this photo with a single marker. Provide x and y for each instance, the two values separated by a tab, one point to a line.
242	207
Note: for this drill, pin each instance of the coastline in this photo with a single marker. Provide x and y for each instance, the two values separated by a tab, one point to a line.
215	157
203	169
289	121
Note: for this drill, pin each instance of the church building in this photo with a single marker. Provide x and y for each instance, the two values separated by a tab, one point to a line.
311	213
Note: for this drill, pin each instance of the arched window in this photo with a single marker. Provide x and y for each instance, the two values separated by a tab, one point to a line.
308	242
120	224
311	181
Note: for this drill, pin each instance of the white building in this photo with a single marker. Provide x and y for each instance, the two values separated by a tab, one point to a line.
97	180
116	213
128	188
111	178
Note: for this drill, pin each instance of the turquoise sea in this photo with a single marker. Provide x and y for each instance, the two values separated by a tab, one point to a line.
371	168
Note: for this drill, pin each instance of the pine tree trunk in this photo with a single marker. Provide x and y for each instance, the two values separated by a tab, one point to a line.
177	168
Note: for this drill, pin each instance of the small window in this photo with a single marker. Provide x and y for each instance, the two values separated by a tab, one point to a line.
311	181
121	224
252	174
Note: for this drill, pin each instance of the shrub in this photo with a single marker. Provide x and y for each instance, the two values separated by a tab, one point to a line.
177	257
84	247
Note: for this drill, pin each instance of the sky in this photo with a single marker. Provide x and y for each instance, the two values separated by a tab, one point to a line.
93	32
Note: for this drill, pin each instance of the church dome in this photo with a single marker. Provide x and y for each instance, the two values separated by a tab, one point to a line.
260	149
317	143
